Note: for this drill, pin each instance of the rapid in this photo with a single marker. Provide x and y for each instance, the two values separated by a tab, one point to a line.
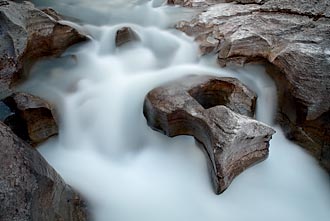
124	169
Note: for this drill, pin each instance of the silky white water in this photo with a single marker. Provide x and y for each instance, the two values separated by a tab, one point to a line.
128	172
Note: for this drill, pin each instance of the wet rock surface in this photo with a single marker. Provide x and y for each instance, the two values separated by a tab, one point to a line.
125	35
29	188
214	111
293	38
29	117
27	34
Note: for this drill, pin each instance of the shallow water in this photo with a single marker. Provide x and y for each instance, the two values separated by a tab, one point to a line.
129	172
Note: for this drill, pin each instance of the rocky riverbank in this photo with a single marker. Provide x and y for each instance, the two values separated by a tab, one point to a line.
30	189
28	34
293	39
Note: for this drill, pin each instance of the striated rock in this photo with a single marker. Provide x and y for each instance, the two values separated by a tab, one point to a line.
125	35
212	110
205	3
51	12
29	188
30	117
27	34
293	38
190	3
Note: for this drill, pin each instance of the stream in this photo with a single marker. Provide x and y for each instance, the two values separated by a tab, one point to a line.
128	172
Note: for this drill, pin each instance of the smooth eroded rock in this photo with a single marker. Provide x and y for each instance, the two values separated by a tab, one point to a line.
125	35
212	110
27	34
293	37
30	117
29	188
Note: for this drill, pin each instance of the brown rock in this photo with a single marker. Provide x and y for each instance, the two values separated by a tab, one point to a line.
27	34
125	35
29	188
294	38
204	107
205	3
30	117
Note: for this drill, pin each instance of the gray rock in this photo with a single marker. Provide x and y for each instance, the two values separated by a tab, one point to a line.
29	188
30	117
27	34
204	107
293	38
206	3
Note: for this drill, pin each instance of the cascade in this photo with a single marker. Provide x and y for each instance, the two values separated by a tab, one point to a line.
125	170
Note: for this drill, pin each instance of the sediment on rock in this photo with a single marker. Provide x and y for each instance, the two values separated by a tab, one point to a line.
31	189
294	38
214	111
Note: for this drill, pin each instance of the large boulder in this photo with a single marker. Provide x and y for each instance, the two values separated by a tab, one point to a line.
293	38
213	111
29	188
26	34
29	117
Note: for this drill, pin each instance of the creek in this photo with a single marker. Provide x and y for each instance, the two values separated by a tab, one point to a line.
128	172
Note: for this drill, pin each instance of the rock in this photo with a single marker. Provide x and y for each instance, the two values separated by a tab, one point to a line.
125	35
51	12
27	34
205	3
190	3
30	117
293	38
29	188
210	109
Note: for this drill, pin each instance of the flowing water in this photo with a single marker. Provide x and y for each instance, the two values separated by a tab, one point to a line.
128	172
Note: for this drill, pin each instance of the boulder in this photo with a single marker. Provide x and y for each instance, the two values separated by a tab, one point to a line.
30	117
215	111
27	34
29	188
293	39
125	35
206	3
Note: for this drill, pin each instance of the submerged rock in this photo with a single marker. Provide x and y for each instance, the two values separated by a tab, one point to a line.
30	117
293	37
125	35
27	34
212	110
30	189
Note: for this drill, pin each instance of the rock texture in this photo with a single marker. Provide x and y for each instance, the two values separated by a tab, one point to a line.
30	117
125	35
293	37
29	188
206	3
212	110
27	34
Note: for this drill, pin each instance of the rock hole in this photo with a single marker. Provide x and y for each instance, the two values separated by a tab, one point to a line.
213	93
